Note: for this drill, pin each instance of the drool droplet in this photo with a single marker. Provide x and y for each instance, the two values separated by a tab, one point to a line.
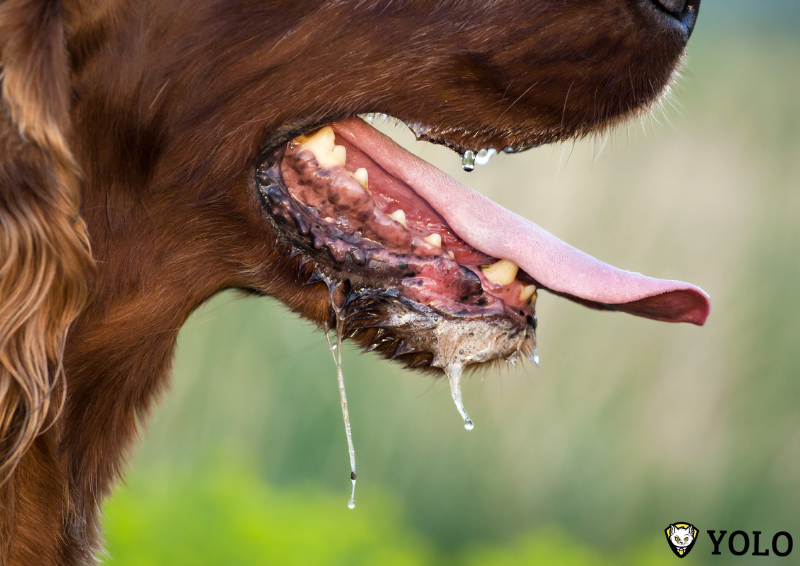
336	353
468	161
484	156
352	503
536	359
453	372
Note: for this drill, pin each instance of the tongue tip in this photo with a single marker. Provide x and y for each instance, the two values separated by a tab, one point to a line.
689	304
685	304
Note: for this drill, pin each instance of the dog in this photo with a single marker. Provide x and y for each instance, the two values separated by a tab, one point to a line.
155	153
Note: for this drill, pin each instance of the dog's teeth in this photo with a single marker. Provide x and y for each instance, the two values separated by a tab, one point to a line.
400	217
501	273
484	156
323	145
468	161
434	240
361	176
339	154
527	294
450	254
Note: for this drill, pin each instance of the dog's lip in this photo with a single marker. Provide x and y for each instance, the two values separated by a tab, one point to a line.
500	233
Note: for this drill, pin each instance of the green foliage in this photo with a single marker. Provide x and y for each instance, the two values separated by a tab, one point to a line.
225	517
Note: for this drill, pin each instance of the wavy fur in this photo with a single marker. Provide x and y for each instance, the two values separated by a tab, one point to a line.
44	249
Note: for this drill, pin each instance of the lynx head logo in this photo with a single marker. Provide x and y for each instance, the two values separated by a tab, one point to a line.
681	538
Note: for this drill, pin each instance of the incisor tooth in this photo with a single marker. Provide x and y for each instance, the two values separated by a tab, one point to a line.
501	273
527	294
362	177
400	217
434	240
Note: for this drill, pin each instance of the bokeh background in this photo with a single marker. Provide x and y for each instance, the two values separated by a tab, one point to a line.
626	426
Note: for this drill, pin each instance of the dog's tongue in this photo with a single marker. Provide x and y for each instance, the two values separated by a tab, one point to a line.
503	234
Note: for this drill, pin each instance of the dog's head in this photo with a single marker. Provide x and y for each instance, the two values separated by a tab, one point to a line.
208	136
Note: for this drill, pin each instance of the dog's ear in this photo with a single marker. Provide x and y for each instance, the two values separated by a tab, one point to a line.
45	261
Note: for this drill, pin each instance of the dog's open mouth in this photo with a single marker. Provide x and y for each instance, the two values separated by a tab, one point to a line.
434	273
425	270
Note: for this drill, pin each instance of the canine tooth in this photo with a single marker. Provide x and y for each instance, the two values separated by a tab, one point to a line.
450	254
501	273
434	240
527	294
400	217
362	177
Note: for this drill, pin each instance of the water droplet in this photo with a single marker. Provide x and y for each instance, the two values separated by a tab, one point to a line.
508	149
369	118
454	375
536	359
352	503
336	353
484	156
468	161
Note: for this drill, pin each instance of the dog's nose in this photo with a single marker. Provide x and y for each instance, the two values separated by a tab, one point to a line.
680	15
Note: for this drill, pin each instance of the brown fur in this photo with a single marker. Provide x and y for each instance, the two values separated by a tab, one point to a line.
155	113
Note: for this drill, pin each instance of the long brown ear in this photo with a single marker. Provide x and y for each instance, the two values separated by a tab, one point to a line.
44	250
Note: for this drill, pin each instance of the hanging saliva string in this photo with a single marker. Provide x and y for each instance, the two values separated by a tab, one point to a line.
336	353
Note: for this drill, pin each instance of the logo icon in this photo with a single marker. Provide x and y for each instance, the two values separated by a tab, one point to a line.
681	538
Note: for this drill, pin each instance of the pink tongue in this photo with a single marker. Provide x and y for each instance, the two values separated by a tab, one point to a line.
500	233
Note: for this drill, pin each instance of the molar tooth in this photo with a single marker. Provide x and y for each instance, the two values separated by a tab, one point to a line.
400	217
434	240
528	294
501	273
362	177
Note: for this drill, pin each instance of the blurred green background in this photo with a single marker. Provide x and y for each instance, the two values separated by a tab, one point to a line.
627	425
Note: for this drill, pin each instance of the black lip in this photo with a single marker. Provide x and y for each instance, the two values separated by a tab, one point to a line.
438	136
